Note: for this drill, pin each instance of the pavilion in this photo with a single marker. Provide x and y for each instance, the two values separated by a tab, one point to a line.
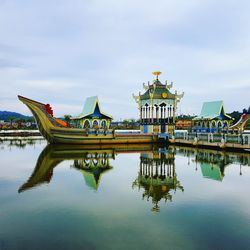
212	118
157	107
92	115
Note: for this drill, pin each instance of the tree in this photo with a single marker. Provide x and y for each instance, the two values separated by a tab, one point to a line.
11	119
67	119
244	111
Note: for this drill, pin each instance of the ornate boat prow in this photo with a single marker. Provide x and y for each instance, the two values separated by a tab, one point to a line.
45	121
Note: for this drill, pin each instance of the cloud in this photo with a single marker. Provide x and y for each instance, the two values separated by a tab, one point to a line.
60	52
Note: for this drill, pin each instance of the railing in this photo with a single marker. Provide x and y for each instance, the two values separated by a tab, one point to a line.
157	121
209	137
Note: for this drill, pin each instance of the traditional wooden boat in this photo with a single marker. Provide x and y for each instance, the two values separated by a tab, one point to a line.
55	132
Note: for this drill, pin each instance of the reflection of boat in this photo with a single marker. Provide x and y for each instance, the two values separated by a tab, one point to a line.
90	160
54	131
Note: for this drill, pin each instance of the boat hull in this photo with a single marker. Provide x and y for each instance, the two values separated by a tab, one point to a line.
54	133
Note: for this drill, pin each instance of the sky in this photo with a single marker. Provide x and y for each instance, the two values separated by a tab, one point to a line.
62	51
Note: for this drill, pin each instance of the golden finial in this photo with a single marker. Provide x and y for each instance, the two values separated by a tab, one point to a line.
156	73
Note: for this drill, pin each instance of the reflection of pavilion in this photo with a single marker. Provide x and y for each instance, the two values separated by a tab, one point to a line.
213	163
93	166
157	177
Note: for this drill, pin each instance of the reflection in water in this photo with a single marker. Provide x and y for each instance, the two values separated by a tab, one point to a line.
213	163
157	176
93	165
91	161
19	142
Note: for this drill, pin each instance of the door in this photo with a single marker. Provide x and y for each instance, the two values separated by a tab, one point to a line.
163	128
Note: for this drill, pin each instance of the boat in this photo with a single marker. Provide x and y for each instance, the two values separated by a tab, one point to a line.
56	132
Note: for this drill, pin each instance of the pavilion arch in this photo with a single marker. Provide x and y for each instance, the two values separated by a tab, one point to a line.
219	124
213	124
103	124
86	124
95	124
226	124
163	104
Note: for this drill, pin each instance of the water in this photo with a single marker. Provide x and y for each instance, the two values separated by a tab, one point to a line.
85	198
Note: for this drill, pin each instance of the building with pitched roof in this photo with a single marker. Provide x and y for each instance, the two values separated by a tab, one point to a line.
212	118
92	116
157	106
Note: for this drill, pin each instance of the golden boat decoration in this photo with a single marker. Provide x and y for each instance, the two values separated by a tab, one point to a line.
55	132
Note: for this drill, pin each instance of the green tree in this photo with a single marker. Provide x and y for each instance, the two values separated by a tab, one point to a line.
11	119
67	119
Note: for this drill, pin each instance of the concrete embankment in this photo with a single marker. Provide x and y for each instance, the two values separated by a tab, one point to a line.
19	132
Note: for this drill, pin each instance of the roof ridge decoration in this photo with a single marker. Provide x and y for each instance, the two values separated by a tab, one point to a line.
157	90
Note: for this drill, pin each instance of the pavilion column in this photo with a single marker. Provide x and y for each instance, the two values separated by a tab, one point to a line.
168	114
164	113
161	112
152	114
173	114
157	114
141	114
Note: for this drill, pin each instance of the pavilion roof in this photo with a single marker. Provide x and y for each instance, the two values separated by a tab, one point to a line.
211	110
157	92
89	108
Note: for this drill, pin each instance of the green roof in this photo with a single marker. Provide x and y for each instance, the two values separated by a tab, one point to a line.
211	110
89	108
211	171
157	92
92	177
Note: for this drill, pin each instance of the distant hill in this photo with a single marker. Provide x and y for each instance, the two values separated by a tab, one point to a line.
5	115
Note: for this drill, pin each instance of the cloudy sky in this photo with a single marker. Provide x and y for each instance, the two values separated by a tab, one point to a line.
62	51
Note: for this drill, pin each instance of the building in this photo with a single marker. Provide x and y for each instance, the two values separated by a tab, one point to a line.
92	115
183	124
212	118
157	106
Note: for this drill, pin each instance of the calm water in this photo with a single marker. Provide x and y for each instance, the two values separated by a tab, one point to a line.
122	198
